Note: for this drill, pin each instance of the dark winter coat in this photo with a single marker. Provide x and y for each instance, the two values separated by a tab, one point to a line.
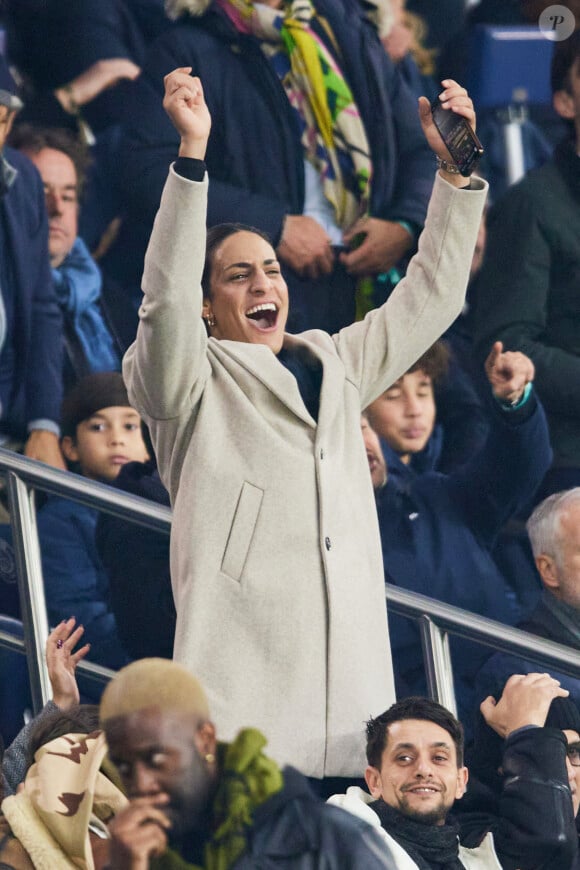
528	292
255	157
437	532
74	579
36	324
136	560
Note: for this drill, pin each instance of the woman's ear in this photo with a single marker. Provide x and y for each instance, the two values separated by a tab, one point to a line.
68	447
206	309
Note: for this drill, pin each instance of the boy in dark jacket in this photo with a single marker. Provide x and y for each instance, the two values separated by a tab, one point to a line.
101	433
437	531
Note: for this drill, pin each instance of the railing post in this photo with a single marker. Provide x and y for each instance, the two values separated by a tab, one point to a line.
30	587
438	667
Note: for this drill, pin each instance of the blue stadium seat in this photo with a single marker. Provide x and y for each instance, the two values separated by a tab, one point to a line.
509	65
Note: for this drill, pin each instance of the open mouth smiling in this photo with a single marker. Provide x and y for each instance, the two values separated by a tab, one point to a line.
264	316
422	789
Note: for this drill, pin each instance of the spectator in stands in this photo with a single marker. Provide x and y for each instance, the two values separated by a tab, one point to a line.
443	21
72	56
192	799
30	323
36	826
407	417
484	756
263	459
403	43
346	164
77	60
59	817
554	531
61	660
416	772
135	557
62	162
101	433
437	530
432	419
528	285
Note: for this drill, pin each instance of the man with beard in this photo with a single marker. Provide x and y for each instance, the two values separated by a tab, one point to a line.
194	802
416	772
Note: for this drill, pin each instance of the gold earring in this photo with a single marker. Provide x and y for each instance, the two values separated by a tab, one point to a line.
209	757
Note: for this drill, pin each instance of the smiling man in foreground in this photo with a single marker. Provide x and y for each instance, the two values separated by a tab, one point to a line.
416	772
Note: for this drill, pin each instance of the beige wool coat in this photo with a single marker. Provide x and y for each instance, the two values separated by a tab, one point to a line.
275	553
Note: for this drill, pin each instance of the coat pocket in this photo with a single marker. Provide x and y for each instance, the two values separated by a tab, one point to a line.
242	530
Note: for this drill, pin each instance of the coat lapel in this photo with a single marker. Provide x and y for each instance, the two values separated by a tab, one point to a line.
332	389
259	361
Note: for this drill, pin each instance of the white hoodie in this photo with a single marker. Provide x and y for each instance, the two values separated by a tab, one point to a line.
356	801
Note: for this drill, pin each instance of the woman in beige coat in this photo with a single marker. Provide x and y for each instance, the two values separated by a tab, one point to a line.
275	552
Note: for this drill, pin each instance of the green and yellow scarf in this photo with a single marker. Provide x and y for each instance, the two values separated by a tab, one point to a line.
333	135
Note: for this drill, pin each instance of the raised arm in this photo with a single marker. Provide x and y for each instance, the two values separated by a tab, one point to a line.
166	368
390	339
535	825
503	475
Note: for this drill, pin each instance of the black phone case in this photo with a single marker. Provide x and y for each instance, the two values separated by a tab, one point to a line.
462	143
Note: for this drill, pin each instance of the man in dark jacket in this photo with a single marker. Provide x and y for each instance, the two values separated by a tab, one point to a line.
416	773
554	532
261	172
62	162
437	531
528	292
210	804
30	323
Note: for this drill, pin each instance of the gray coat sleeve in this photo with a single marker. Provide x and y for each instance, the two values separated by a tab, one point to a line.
382	347
15	761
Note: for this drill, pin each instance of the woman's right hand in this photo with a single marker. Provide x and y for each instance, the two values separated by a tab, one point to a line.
185	105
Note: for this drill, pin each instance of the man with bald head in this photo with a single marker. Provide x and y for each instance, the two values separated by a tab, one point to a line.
211	804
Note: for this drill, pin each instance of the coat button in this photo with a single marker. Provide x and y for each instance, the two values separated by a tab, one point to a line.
321	453
327	543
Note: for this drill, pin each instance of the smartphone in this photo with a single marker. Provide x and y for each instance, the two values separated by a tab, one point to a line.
462	143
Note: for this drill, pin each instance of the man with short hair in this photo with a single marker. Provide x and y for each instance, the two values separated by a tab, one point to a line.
431	418
30	322
62	163
437	531
416	772
554	532
195	802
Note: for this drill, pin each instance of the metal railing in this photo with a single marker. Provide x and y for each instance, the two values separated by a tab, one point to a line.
436	620
24	476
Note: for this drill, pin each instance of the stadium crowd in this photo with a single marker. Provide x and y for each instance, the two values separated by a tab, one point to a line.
242	276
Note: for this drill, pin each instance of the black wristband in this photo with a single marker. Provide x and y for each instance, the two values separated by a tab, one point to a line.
190	168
